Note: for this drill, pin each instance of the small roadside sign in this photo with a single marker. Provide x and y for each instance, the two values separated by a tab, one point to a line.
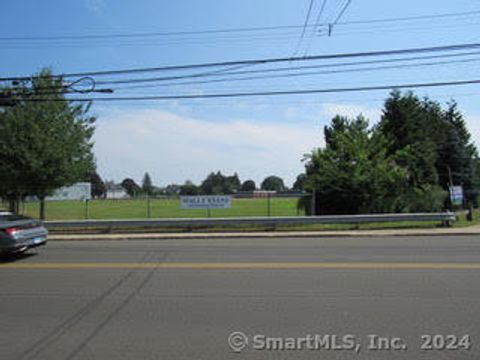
456	195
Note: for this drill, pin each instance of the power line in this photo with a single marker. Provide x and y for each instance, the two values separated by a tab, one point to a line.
436	29
400	28
271	93
345	7
249	38
227	30
149	34
229	72
315	26
320	13
364	69
281	69
18	42
340	14
302	35
262	61
409	18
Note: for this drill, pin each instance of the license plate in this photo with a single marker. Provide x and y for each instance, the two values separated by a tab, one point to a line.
38	240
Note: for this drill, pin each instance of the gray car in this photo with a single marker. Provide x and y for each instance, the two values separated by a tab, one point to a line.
19	233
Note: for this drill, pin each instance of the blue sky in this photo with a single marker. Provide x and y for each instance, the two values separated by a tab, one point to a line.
180	140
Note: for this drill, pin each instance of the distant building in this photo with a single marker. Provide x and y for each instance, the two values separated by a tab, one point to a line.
78	191
263	193
116	192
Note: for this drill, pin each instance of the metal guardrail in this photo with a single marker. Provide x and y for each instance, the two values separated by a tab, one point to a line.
446	217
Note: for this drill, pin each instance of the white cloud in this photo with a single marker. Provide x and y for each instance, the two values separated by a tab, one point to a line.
351	111
175	148
95	6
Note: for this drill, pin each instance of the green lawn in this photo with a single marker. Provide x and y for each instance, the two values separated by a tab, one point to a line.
163	208
160	208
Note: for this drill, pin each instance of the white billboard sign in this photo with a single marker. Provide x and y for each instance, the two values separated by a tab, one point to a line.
206	202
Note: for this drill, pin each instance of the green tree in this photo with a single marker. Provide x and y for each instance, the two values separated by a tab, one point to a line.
353	173
147	186
131	187
213	184
99	189
299	184
273	183
248	185
457	155
172	189
437	145
232	184
217	183
189	188
410	123
45	141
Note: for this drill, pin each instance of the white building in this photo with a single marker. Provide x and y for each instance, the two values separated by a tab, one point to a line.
116	192
78	191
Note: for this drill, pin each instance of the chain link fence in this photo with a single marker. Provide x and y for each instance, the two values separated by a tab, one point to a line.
160	207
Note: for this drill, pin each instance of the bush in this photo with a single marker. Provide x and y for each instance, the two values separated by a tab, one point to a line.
429	198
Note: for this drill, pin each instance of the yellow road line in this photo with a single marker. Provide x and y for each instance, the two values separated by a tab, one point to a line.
246	265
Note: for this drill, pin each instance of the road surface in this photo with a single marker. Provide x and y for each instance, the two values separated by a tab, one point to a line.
289	298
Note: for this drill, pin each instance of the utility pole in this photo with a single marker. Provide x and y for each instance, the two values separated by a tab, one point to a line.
450	179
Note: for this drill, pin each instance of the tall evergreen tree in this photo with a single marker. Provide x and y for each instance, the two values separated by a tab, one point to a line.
457	155
412	125
147	186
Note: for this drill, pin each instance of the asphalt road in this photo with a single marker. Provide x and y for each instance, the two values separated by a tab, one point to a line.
324	298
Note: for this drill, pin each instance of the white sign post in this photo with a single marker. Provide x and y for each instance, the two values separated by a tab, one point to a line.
206	202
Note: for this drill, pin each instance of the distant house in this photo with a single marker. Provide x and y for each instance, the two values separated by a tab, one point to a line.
263	193
116	192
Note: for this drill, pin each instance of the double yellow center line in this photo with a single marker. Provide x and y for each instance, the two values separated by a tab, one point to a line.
245	265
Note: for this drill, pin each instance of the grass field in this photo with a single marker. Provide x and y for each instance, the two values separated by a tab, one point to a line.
170	208
159	208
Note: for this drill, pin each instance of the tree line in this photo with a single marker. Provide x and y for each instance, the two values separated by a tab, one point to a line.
215	183
405	163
